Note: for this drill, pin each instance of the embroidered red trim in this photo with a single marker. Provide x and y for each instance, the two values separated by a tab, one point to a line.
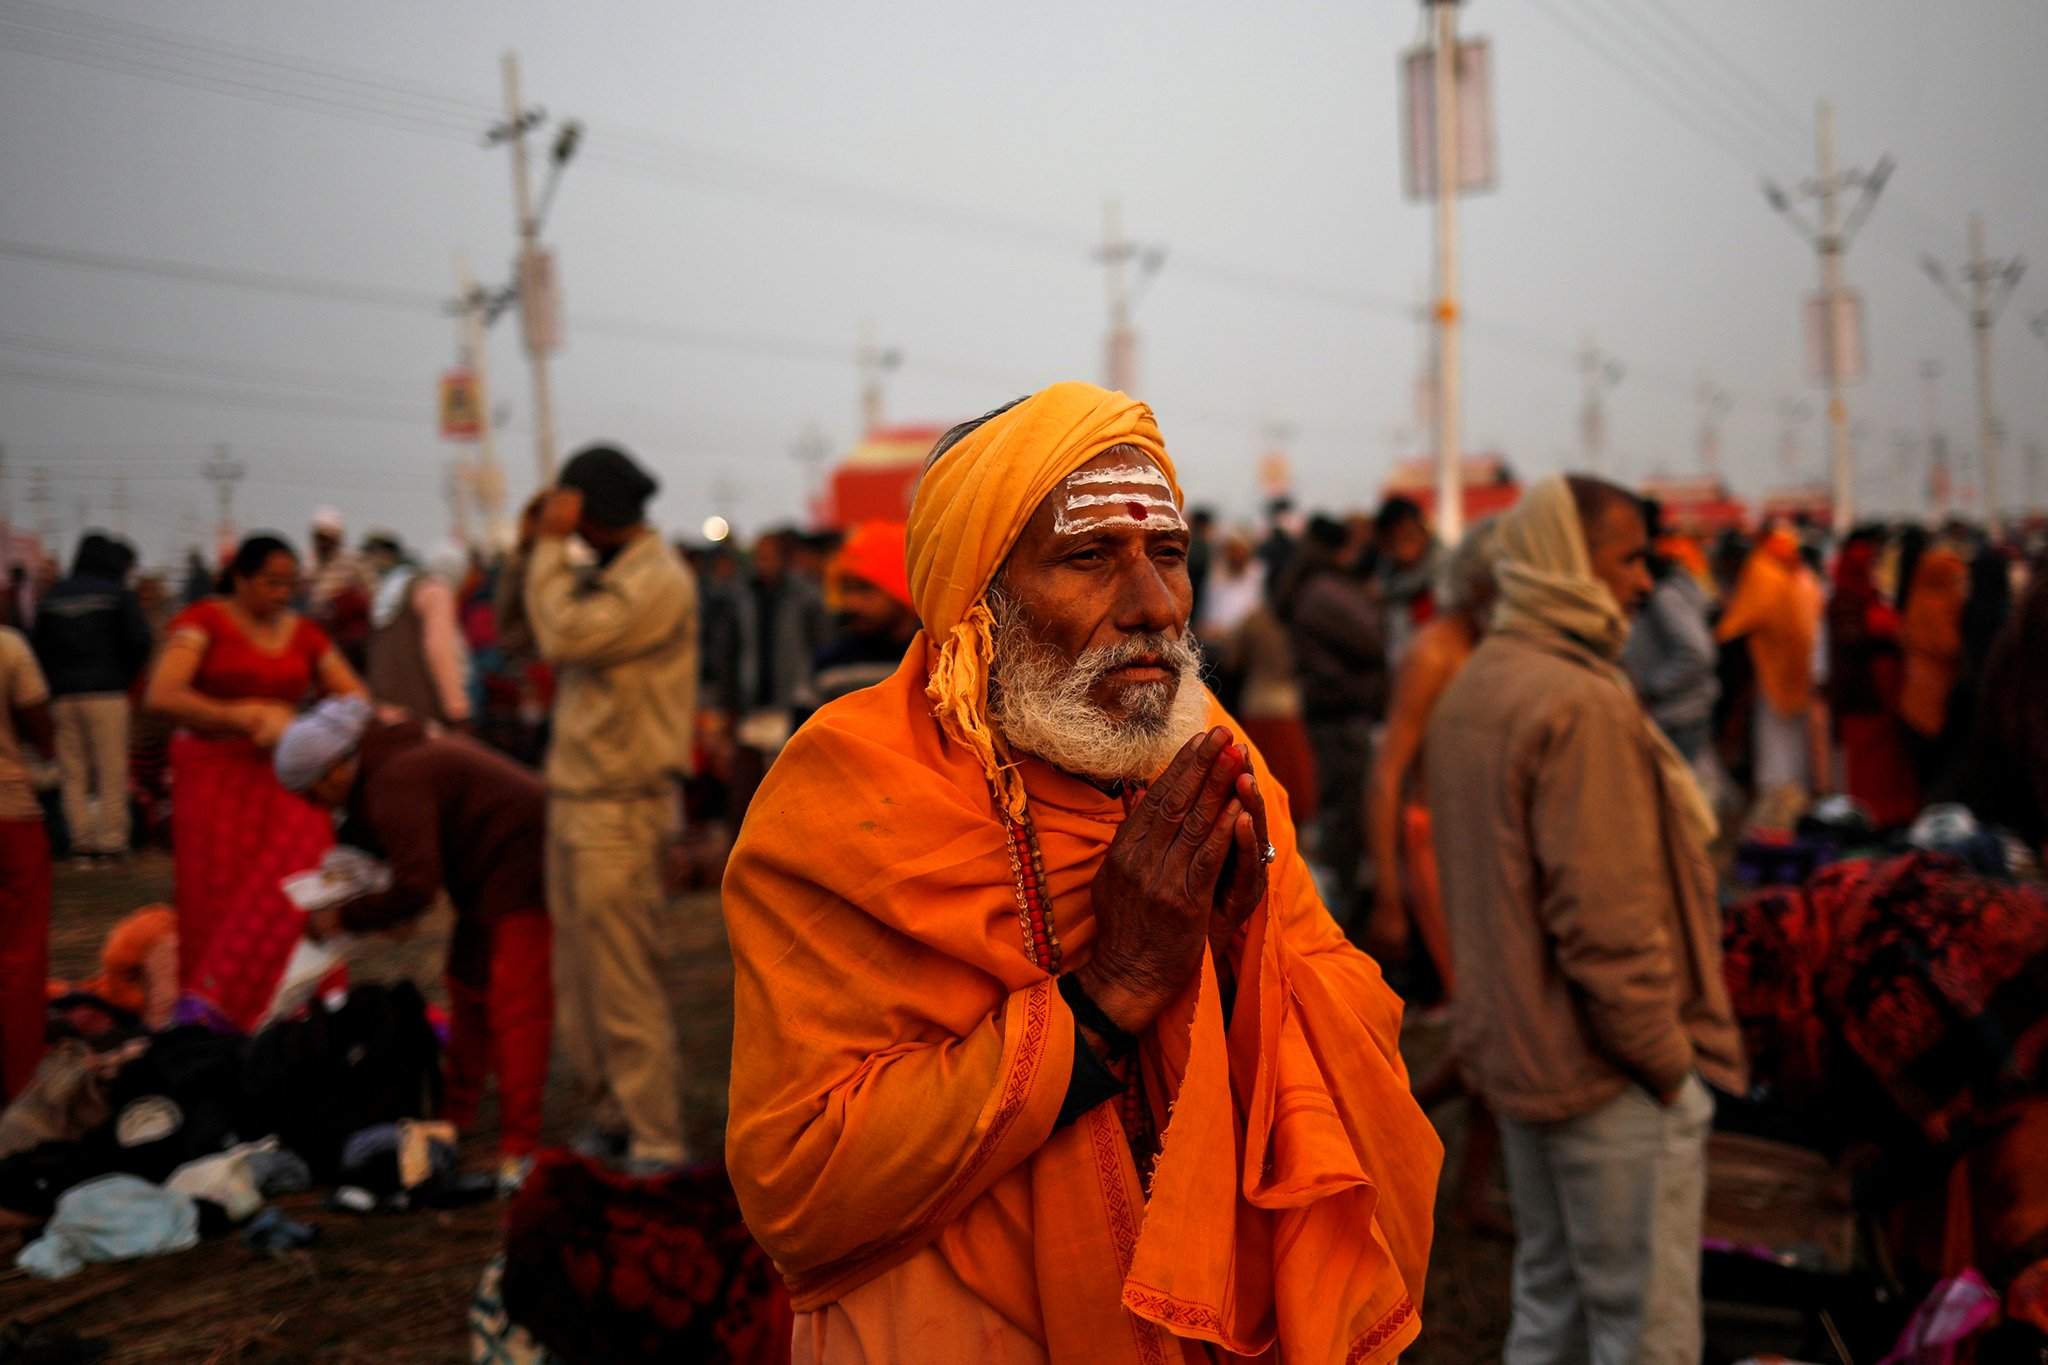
1179	1312
1380	1333
1105	1134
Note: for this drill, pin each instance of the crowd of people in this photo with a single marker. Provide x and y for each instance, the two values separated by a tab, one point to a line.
1506	768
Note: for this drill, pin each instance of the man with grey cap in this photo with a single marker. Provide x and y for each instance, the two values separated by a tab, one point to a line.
621	633
446	815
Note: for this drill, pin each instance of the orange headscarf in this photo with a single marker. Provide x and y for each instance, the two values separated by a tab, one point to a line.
1777	604
970	507
874	553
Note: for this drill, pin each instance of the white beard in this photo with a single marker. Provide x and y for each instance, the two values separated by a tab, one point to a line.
1040	701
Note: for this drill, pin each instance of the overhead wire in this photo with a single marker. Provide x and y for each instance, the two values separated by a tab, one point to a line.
242	72
1588	38
1680	70
230	371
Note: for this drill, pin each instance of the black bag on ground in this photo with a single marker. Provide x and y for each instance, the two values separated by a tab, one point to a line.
318	1080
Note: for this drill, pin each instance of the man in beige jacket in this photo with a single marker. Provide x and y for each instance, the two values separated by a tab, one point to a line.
622	636
1586	938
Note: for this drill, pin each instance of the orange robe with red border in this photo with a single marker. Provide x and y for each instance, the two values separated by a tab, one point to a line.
899	1059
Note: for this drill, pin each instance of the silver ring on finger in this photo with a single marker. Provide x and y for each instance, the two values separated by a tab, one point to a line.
1268	854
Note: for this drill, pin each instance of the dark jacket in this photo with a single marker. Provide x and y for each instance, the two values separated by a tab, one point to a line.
1339	648
91	636
449	815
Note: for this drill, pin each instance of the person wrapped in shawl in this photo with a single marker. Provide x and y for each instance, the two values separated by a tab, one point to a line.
1777	608
1044	1046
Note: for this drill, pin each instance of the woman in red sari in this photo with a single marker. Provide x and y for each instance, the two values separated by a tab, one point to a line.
233	672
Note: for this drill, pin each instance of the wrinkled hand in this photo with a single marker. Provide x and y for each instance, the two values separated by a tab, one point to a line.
560	513
264	722
1243	884
1158	892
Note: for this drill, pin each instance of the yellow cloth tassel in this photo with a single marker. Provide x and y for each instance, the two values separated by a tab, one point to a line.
959	694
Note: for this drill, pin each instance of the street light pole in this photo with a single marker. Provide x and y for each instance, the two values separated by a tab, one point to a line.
518	123
1831	242
1450	484
1991	284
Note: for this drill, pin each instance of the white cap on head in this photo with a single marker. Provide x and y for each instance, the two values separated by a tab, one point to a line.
328	519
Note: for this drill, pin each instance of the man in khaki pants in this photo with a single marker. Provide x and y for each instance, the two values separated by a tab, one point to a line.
621	633
92	640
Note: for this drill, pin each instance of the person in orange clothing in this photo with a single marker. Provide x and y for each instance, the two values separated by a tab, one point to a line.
138	967
870	591
1777	607
1044	1046
1931	638
1408	891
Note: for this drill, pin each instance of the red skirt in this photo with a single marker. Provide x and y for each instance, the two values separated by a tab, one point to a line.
1877	769
237	834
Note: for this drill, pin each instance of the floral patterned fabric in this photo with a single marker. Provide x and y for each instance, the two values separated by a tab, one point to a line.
601	1266
1931	981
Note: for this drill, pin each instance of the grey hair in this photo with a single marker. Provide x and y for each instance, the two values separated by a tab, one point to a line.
959	432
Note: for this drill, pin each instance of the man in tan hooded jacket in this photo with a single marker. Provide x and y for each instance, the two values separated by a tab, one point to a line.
1586	938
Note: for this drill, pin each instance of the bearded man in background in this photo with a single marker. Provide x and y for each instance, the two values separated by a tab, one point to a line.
1044	1046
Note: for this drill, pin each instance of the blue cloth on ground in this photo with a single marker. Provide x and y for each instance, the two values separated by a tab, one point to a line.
114	1218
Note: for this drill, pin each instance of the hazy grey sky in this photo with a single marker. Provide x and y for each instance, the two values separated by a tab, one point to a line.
761	179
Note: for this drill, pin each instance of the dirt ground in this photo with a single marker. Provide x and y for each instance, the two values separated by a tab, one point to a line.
396	1287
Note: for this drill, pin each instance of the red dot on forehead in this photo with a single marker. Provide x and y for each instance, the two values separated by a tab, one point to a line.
1136	509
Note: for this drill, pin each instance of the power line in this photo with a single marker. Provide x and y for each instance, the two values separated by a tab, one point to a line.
216	370
1768	97
651	156
261	281
259	402
663	158
14	40
1678	67
216	51
1657	94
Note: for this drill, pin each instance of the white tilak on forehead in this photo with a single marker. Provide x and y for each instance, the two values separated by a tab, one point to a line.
1145	511
1122	473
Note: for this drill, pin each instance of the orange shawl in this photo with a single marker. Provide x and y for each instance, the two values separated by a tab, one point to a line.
1778	606
899	1059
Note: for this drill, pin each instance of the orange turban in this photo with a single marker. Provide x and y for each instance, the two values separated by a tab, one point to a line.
873	553
970	507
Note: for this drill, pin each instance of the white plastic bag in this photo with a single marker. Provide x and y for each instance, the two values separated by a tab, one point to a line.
344	874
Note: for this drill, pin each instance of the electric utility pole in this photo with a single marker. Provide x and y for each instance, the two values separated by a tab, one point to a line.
540	307
1792	415
1714	404
1117	253
1991	283
874	361
39	498
1450	481
1939	480
1836	318
475	308
1598	372
224	471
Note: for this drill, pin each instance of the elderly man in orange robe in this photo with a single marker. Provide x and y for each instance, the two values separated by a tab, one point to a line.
1045	1048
